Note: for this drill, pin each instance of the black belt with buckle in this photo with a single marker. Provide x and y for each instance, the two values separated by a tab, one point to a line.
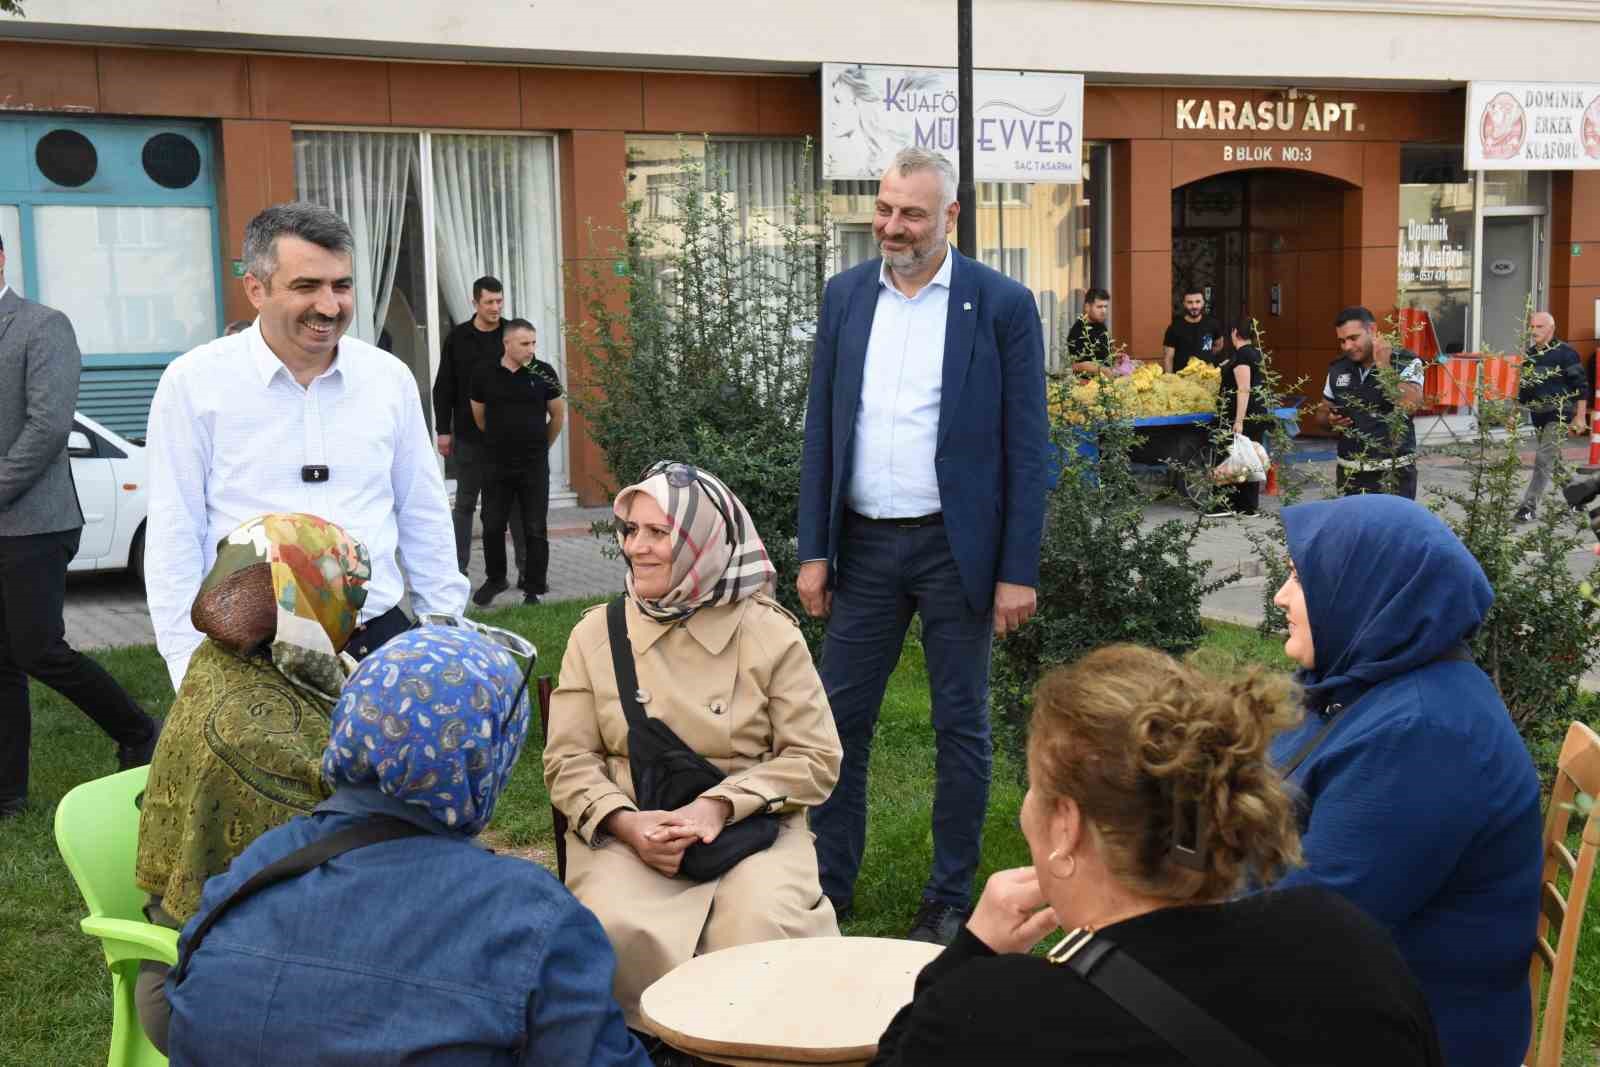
909	523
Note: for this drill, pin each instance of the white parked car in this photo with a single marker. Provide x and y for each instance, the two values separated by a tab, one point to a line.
109	471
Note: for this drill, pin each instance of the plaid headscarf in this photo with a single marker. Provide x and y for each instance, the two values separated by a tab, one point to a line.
717	556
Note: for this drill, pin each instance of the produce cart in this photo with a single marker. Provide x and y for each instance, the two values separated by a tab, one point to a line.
1173	446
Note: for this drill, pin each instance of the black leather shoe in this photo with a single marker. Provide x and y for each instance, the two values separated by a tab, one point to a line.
530	598
937	923
141	753
1524	515
488	591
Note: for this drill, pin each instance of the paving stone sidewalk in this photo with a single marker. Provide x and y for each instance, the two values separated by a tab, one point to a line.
105	610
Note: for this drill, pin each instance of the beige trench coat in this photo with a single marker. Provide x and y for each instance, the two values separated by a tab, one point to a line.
737	684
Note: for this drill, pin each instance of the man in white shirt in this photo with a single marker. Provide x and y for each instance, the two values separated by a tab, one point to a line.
292	416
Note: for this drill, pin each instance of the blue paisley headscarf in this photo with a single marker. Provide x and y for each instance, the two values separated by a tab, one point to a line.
429	719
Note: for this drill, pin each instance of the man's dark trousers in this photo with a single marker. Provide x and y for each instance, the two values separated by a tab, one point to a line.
33	581
1399	482
518	491
471	463
885	573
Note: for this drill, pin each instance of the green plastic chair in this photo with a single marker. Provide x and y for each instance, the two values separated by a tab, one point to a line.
97	833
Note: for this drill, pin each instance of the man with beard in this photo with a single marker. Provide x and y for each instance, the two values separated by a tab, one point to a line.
1192	335
1370	415
292	416
922	491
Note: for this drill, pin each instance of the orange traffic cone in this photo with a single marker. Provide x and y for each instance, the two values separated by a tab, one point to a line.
1272	480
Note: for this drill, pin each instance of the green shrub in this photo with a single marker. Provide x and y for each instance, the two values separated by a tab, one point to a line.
701	350
1103	579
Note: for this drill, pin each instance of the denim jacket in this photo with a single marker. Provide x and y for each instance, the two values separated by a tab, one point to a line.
425	950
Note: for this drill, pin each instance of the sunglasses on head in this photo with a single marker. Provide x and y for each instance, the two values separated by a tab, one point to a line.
681	475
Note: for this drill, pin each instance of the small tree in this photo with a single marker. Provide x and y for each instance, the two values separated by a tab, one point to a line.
1541	633
1103	578
701	351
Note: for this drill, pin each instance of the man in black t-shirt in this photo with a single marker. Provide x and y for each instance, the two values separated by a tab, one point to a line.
1089	340
1192	335
472	344
516	402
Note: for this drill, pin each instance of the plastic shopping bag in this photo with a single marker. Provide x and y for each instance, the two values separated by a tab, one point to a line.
1246	462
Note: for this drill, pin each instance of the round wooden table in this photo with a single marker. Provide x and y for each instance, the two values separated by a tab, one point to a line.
803	1001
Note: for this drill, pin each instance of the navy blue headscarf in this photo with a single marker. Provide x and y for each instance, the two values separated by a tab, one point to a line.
1389	587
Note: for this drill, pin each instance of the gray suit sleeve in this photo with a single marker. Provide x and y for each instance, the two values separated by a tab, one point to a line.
51	365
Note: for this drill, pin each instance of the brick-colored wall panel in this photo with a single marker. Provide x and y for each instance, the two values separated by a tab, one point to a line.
48	77
701	103
582	99
454	96
319	90
140	81
789	107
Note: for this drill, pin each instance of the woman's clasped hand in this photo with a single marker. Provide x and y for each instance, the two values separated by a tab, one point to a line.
662	837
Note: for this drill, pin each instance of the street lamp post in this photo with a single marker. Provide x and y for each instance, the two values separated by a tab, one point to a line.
966	189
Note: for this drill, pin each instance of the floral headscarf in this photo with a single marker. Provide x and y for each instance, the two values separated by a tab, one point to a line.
717	555
241	751
433	718
319	578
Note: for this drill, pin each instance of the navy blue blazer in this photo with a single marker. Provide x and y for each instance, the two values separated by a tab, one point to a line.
993	432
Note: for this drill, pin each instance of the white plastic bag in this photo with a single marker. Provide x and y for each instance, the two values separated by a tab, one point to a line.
1246	462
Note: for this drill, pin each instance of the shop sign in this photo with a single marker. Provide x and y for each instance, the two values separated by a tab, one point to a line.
1027	127
1302	116
1428	257
1533	126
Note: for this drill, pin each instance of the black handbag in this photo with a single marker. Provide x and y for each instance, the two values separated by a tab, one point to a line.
668	774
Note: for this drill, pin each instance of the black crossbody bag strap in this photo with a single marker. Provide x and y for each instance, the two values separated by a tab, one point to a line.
622	662
371	831
1459	653
1170	1015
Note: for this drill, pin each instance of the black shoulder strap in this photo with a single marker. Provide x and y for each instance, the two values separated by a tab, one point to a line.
370	831
1170	1015
1458	652
622	662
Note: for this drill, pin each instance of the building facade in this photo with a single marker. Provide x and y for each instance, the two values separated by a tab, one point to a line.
1290	157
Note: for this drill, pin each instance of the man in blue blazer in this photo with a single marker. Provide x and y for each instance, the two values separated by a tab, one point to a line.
922	491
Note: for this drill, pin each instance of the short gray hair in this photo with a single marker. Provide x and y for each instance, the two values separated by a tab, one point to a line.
910	160
298	218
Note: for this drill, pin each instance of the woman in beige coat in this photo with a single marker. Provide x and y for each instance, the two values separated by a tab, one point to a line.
722	664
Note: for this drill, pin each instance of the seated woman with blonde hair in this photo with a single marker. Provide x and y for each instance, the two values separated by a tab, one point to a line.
1151	800
721	665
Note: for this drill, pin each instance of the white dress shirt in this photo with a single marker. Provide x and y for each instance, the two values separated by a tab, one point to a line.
230	429
897	425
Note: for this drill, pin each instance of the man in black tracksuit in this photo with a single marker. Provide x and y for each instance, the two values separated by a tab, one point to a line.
475	343
1553	390
1376	453
517	403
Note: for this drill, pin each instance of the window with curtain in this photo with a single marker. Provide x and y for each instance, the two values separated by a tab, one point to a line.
757	178
365	178
494	213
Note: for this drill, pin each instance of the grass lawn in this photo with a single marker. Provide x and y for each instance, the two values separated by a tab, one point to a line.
55	1005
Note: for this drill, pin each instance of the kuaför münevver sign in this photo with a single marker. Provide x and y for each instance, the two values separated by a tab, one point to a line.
1027	127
